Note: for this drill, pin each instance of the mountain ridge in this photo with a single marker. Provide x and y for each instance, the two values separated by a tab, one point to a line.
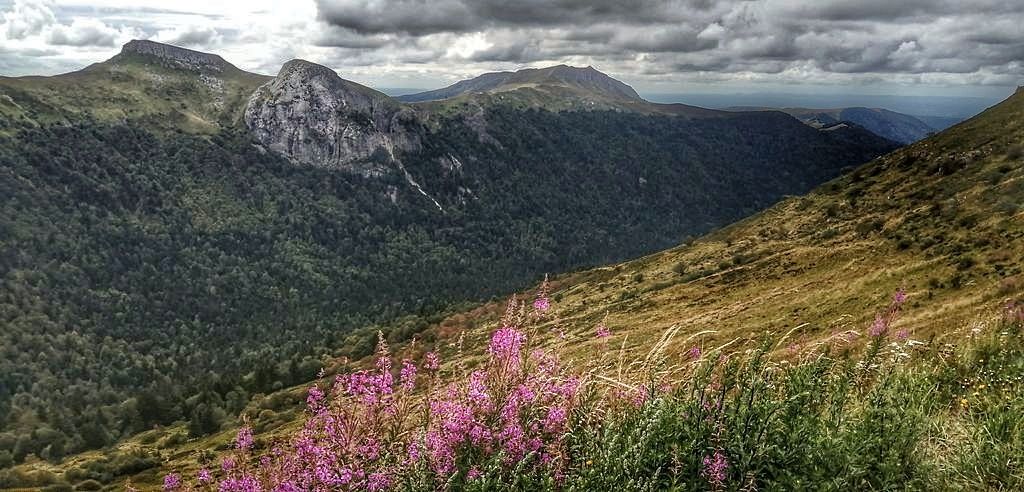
898	127
584	78
175	55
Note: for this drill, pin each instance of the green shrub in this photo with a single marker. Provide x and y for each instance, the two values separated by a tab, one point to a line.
89	485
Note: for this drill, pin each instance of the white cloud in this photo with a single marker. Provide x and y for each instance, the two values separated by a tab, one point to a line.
27	18
649	43
83	32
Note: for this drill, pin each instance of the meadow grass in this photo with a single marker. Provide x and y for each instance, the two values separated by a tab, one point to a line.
881	411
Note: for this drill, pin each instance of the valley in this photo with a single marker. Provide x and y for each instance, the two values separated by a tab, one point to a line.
154	209
713	245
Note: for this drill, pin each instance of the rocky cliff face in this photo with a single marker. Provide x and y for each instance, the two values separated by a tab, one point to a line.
315	117
176	57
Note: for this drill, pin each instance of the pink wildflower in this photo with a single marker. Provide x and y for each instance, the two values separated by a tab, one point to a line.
408	376
474	473
432	361
378	481
172	482
478	389
714	469
243	441
315	397
555	420
879	327
900	297
227	464
204	476
602	331
245	483
506	343
542	304
694	352
903	334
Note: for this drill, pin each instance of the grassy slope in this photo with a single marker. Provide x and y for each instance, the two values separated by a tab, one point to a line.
132	87
941	218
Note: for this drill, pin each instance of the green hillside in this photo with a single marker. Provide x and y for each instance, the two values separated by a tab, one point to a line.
134	87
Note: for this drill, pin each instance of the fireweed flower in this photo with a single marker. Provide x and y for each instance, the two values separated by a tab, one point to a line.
408	376
432	361
378	482
899	297
506	343
514	405
478	389
541	304
555	420
602	331
245	483
172	482
243	441
879	327
203	476
694	352
903	334
714	469
315	397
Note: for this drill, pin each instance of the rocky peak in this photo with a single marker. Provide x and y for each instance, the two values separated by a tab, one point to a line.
175	56
314	117
302	69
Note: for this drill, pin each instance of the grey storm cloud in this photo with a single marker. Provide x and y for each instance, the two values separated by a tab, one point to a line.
759	36
419	17
648	42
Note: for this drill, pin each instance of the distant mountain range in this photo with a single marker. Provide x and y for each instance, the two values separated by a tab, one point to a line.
563	83
170	224
895	126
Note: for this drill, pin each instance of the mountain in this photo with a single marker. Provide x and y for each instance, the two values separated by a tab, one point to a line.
170	224
895	126
314	116
940	123
155	85
558	78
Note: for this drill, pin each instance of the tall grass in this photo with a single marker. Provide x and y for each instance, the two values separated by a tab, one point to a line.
871	411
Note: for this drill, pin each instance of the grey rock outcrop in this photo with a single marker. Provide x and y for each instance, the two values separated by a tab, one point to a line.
311	115
176	57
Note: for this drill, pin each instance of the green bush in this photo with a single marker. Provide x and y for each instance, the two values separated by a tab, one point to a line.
89	485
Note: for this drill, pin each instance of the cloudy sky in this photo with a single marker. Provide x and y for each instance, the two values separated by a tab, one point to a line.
922	47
